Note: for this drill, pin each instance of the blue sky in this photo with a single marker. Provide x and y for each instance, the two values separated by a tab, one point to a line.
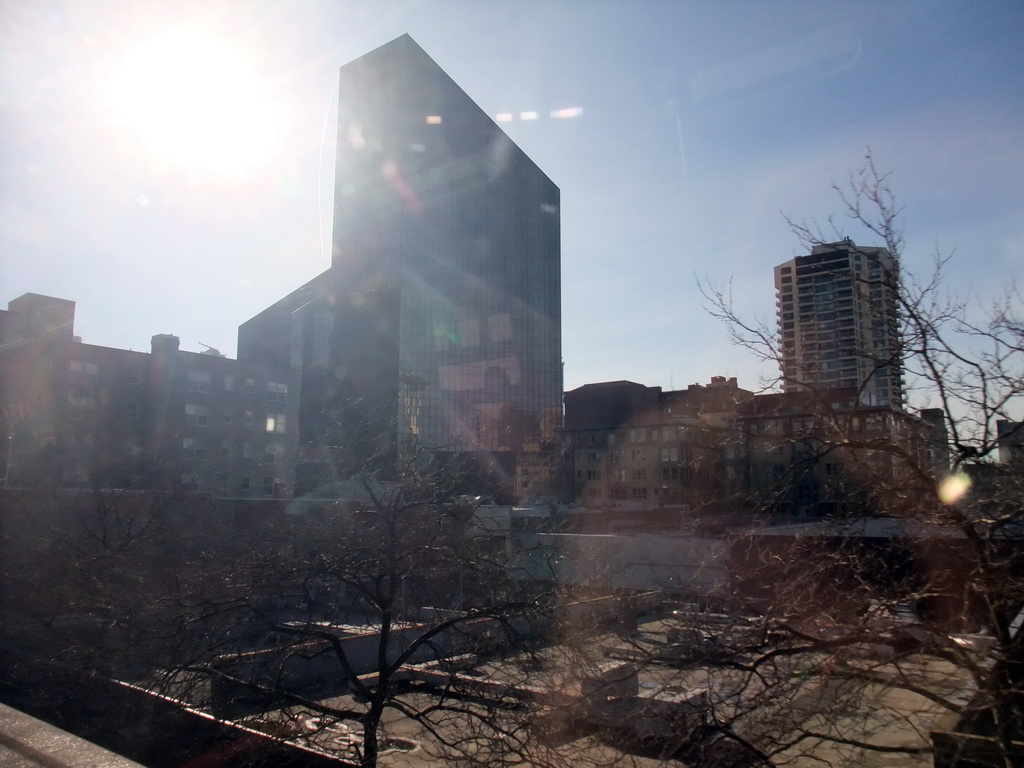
700	124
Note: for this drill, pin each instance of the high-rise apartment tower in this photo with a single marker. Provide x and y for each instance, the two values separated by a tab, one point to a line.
438	323
838	312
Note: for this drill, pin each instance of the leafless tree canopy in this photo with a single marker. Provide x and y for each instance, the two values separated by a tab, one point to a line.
871	648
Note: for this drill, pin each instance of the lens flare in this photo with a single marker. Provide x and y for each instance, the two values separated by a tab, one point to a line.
952	488
561	114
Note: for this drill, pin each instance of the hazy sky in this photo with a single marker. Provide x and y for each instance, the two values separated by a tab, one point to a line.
169	166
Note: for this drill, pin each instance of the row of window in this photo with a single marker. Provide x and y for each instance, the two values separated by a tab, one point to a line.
77	366
196	449
634	492
200	381
198	415
665	454
196	381
646	434
639	474
467	332
685	474
272	486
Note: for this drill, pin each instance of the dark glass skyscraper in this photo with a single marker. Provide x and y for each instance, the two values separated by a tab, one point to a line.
438	324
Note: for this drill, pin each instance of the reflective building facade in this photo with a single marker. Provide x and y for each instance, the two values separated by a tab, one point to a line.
438	324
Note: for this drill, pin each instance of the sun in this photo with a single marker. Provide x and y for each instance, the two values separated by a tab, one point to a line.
193	101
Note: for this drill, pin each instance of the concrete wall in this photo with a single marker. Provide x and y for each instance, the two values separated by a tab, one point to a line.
677	564
316	664
26	742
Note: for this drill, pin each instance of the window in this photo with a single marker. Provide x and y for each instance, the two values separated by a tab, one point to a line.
229	383
246	450
250	386
499	327
81	399
273	453
197	415
133	411
248	418
468	332
277	392
197	381
77	366
639	474
226	418
269	484
134	378
244	483
640	493
225	448
193	448
670	454
276	422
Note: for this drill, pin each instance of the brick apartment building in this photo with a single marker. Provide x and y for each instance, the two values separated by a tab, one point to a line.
82	415
718	448
827	453
633	444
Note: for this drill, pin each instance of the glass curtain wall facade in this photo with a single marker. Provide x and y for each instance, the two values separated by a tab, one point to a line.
438	324
446	262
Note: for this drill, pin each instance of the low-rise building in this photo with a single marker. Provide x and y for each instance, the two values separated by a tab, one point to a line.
718	448
638	445
826	453
76	414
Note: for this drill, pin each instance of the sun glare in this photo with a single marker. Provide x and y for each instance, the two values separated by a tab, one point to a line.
194	101
954	487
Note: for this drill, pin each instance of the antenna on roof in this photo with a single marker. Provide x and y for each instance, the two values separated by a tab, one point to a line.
212	351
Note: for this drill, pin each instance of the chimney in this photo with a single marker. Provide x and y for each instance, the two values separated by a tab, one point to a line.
165	343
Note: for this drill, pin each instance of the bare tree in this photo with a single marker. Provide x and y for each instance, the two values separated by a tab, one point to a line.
359	619
898	630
